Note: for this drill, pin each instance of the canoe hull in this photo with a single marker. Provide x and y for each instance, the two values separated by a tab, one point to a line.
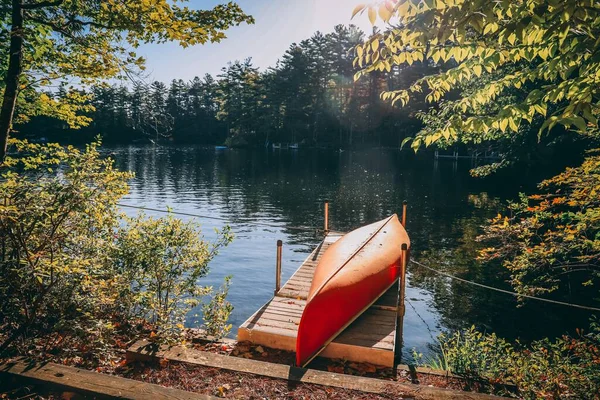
353	273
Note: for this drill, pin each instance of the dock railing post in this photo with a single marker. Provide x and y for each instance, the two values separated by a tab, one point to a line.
278	267
404	208
326	224
401	308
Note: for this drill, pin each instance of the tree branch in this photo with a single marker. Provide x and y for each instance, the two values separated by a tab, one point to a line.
42	4
75	21
64	28
56	28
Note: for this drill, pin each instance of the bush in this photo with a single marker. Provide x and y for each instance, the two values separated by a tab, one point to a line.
471	354
567	368
72	266
551	240
162	260
217	311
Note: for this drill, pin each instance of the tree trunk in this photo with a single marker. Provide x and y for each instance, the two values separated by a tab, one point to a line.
15	66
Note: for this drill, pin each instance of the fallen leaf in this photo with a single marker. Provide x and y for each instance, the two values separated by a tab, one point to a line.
364	368
335	368
221	390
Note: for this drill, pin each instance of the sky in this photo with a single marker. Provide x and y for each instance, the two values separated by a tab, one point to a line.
279	23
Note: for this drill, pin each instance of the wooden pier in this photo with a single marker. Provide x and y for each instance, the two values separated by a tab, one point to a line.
371	338
476	155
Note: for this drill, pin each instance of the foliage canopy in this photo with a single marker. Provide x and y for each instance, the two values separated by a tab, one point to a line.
553	43
50	41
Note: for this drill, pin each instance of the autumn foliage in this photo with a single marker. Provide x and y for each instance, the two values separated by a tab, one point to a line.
551	236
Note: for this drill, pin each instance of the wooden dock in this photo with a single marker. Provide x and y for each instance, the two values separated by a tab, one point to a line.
371	338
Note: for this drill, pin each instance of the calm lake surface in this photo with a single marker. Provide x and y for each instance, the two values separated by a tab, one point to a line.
287	189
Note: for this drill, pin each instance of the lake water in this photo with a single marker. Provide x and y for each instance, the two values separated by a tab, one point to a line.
286	189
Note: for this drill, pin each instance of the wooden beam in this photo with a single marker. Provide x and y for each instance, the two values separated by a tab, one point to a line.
91	383
398	342
145	351
326	223
278	267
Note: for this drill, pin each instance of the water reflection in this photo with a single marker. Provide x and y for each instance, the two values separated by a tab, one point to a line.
288	188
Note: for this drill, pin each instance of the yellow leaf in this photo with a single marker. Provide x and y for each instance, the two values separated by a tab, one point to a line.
358	9
372	15
384	13
503	125
375	45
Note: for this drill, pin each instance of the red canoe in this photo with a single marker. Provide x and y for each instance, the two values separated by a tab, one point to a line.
352	274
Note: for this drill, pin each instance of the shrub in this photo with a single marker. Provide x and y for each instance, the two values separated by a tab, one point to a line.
72	266
217	311
551	240
162	260
567	368
57	215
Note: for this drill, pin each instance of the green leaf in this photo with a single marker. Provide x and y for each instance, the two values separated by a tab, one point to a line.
579	123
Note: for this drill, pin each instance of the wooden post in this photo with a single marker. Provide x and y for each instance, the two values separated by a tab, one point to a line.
278	267
404	207
401	308
326	226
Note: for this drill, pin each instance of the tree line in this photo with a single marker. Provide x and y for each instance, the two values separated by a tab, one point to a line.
309	97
